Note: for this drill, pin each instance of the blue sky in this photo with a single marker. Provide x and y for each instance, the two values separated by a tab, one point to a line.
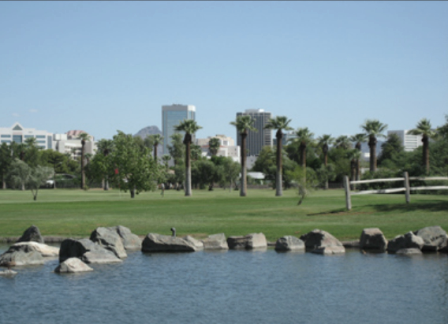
108	66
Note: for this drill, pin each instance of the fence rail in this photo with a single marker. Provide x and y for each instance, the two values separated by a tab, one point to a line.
406	182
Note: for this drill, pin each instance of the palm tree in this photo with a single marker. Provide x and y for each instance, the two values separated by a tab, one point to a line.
324	142
279	123
343	142
354	156
243	124
190	127
373	128
424	128
156	140
213	146
105	146
358	139
83	137
305	138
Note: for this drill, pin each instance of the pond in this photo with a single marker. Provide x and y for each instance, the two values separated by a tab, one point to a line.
234	287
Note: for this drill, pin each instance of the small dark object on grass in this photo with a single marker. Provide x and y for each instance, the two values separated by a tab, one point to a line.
174	231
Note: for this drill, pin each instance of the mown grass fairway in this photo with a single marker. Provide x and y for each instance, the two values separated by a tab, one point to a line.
77	213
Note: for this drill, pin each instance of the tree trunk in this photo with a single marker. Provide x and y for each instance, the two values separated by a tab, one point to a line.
243	188
155	152
353	172
3	182
132	191
358	164
303	155
279	182
106	183
425	142
83	175
372	145
187	142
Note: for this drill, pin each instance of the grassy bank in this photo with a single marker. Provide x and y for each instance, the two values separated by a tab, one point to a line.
75	212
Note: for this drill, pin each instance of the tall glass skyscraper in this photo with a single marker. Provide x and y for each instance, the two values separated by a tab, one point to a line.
256	140
171	117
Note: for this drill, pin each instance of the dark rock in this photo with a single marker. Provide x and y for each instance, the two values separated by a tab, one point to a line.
110	240
162	243
130	241
289	243
32	234
248	242
407	241
373	239
318	239
434	238
87	251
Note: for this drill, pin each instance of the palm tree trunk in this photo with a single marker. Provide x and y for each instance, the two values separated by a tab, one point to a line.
3	182
426	153
243	189
83	175
372	145
155	152
279	182
353	172
187	142
358	164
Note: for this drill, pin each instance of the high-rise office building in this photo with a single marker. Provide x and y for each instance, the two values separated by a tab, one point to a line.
256	140
171	116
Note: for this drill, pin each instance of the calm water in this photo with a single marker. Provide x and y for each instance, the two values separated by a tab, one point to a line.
234	287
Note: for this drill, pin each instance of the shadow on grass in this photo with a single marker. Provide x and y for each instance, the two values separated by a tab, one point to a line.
428	205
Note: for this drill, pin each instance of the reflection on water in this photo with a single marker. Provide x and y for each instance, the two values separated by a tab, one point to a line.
234	287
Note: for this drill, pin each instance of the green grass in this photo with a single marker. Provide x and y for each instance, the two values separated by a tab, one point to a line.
76	213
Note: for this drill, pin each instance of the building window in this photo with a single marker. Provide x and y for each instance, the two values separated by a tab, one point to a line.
6	141
17	138
6	136
29	136
40	136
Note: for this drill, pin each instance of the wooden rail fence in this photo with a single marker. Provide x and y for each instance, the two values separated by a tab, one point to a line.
406	187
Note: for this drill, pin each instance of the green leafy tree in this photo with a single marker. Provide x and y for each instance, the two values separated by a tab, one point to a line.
177	149
373	128
5	162
279	123
32	155
20	173
324	142
134	171
166	158
358	139
243	124
84	137
391	150
103	166
305	138
190	127
213	146
56	160
424	129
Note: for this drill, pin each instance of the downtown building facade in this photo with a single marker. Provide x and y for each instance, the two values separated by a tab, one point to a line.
263	137
227	147
172	115
18	134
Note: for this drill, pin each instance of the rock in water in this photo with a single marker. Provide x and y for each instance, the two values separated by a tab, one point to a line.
196	243
43	249
407	241
434	238
216	242
162	243
110	240
87	251
14	257
322	242
289	243
373	239
31	234
8	273
72	265
130	241
248	242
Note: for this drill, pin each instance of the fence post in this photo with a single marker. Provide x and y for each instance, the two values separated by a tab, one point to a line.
407	187
348	200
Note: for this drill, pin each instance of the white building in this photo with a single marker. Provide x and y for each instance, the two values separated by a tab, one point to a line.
227	147
171	116
263	137
69	143
18	134
409	142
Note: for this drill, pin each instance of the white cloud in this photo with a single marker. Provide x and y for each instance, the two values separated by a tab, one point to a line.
15	115
33	110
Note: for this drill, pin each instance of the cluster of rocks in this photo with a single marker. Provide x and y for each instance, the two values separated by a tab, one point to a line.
110	245
432	238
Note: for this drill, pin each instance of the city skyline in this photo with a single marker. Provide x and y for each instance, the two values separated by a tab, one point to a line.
328	66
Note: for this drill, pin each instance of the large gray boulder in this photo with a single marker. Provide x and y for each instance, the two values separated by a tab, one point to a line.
20	256
196	243
131	242
31	234
407	241
289	243
434	238
247	242
43	249
318	239
110	240
373	239
162	243
72	265
87	251
216	242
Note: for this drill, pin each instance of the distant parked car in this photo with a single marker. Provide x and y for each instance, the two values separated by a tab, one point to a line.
60	178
